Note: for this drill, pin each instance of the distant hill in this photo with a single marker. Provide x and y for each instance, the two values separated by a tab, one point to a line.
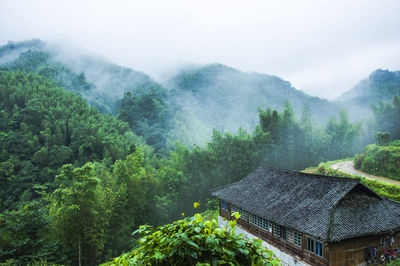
381	85
101	82
193	101
221	97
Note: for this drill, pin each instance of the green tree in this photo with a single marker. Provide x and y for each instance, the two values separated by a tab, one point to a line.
342	137
24	234
133	203
44	127
382	138
387	117
79	213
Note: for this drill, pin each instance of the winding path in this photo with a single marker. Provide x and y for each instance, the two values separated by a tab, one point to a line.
348	167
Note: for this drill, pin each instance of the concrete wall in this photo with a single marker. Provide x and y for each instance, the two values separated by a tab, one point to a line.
285	258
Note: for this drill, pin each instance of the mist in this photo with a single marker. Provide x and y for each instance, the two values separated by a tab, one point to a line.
321	48
192	99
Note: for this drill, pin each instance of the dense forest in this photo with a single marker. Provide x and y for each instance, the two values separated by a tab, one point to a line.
85	161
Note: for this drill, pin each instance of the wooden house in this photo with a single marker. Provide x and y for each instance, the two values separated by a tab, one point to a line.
311	219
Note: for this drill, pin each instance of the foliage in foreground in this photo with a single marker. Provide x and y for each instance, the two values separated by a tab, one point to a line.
192	241
395	262
381	188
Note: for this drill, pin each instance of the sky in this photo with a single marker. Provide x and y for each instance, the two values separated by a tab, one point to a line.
322	47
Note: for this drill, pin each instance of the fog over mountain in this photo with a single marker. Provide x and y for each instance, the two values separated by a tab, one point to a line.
322	48
193	98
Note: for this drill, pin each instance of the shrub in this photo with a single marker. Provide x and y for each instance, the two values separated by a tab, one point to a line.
193	242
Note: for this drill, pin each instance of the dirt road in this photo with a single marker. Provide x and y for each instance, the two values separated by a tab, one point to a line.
348	167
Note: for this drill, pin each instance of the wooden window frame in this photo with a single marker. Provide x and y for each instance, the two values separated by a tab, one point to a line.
315	247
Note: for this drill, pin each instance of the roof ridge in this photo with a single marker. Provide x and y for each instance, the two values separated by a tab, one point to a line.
392	201
228	185
312	175
217	188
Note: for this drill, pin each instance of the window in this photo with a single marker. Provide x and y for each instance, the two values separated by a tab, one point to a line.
294	237
243	213
290	236
297	239
382	241
267	225
283	232
277	230
315	247
260	222
257	221
280	231
318	248
224	205
310	245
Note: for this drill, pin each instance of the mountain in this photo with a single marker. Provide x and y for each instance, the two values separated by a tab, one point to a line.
43	127
381	85
96	79
192	102
221	97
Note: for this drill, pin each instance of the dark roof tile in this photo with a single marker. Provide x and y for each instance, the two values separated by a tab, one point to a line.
358	215
300	201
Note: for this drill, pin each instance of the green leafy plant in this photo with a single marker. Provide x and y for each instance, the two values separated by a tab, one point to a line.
193	241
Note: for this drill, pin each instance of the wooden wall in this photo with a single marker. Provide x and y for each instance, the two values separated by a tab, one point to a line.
352	251
298	252
346	252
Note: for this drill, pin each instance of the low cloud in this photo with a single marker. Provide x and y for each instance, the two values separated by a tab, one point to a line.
323	48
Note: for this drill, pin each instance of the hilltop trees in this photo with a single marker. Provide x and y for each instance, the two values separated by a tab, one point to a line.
387	117
79	213
148	115
43	127
342	137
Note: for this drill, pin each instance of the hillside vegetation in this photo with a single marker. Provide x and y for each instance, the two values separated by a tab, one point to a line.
85	181
380	86
380	160
224	98
89	153
44	127
384	158
383	189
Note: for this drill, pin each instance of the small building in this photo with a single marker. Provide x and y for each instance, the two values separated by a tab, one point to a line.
311	219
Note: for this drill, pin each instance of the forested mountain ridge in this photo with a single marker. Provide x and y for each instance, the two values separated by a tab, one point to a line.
101	82
186	108
381	85
192	102
225	98
43	127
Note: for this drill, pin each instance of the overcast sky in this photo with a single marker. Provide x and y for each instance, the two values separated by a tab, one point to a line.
321	47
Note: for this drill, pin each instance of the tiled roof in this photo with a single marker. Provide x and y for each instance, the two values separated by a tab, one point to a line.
358	215
306	202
